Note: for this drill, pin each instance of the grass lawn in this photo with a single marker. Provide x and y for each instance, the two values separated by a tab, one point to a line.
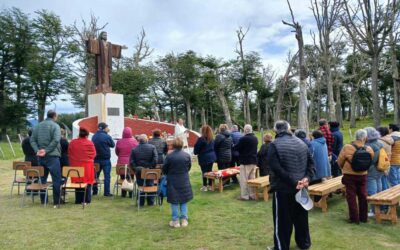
217	221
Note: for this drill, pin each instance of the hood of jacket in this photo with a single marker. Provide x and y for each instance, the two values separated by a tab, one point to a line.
387	139
321	140
334	129
127	133
226	133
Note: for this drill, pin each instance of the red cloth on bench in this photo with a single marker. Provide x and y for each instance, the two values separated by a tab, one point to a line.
225	172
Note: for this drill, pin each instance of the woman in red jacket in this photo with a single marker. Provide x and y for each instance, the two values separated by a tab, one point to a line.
81	152
123	150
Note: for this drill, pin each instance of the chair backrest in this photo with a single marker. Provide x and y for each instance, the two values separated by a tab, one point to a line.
97	167
120	169
21	165
150	174
34	172
69	171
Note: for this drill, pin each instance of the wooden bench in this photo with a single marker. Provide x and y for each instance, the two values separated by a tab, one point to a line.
389	197
324	189
222	179
260	182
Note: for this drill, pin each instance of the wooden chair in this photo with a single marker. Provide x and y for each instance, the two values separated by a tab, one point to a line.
120	170
149	191
71	172
33	183
19	180
99	182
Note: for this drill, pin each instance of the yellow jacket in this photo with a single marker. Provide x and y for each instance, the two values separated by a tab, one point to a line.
346	155
395	159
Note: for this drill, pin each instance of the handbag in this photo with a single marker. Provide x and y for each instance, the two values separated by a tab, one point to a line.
127	185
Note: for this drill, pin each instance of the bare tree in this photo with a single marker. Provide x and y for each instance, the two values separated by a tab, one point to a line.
142	49
326	14
394	38
302	118
86	61
283	86
241	34
368	23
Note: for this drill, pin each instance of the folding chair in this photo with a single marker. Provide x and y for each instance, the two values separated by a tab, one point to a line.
120	170
146	191
17	181
71	172
33	183
98	181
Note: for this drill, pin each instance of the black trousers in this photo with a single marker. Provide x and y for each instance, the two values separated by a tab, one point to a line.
288	213
204	169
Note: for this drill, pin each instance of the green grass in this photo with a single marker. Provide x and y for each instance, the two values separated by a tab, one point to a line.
217	221
8	154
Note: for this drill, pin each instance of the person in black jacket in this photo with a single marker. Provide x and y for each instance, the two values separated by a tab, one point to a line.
160	144
204	149
247	148
336	147
144	156
30	154
179	191
292	168
223	147
64	150
262	155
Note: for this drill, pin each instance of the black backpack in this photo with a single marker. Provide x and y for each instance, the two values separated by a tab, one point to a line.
362	159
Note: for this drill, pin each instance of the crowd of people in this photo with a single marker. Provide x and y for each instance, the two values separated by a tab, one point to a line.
293	160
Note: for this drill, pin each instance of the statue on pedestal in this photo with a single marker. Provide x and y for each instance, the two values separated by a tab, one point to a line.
104	52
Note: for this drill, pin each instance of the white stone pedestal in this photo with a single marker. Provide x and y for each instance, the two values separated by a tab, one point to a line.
109	108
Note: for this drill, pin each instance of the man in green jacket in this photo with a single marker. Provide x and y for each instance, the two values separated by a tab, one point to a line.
45	142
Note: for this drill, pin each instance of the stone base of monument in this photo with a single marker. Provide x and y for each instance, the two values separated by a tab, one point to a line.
108	108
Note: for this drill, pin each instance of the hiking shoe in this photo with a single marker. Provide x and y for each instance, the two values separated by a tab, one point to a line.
371	214
203	189
209	188
184	223
174	224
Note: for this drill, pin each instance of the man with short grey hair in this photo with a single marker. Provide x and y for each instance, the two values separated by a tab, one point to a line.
247	148
355	181
291	169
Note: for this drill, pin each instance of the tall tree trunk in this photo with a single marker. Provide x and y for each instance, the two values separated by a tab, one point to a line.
189	114
156	114
41	108
195	125
212	117
329	82
171	106
302	119
358	107
384	102
319	104
225	107
203	116
279	102
266	113
248	119
353	108
339	116
259	115
396	79
374	90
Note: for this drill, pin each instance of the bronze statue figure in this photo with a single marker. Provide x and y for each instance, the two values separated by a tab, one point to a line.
104	52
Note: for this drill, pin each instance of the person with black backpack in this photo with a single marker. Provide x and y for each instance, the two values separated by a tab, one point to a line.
355	159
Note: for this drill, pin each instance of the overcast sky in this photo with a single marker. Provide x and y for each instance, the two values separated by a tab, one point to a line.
205	26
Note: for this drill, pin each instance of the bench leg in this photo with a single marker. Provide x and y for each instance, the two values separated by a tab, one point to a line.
378	218
324	203
265	193
212	185
221	184
393	214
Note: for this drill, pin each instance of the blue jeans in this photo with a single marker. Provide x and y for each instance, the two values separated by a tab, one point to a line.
394	175
105	166
374	183
51	164
179	208
385	182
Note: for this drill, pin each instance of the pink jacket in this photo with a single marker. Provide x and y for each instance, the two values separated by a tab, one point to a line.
124	146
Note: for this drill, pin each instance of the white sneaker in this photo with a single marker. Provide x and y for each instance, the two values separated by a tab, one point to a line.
371	214
203	189
174	224
184	223
209	188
